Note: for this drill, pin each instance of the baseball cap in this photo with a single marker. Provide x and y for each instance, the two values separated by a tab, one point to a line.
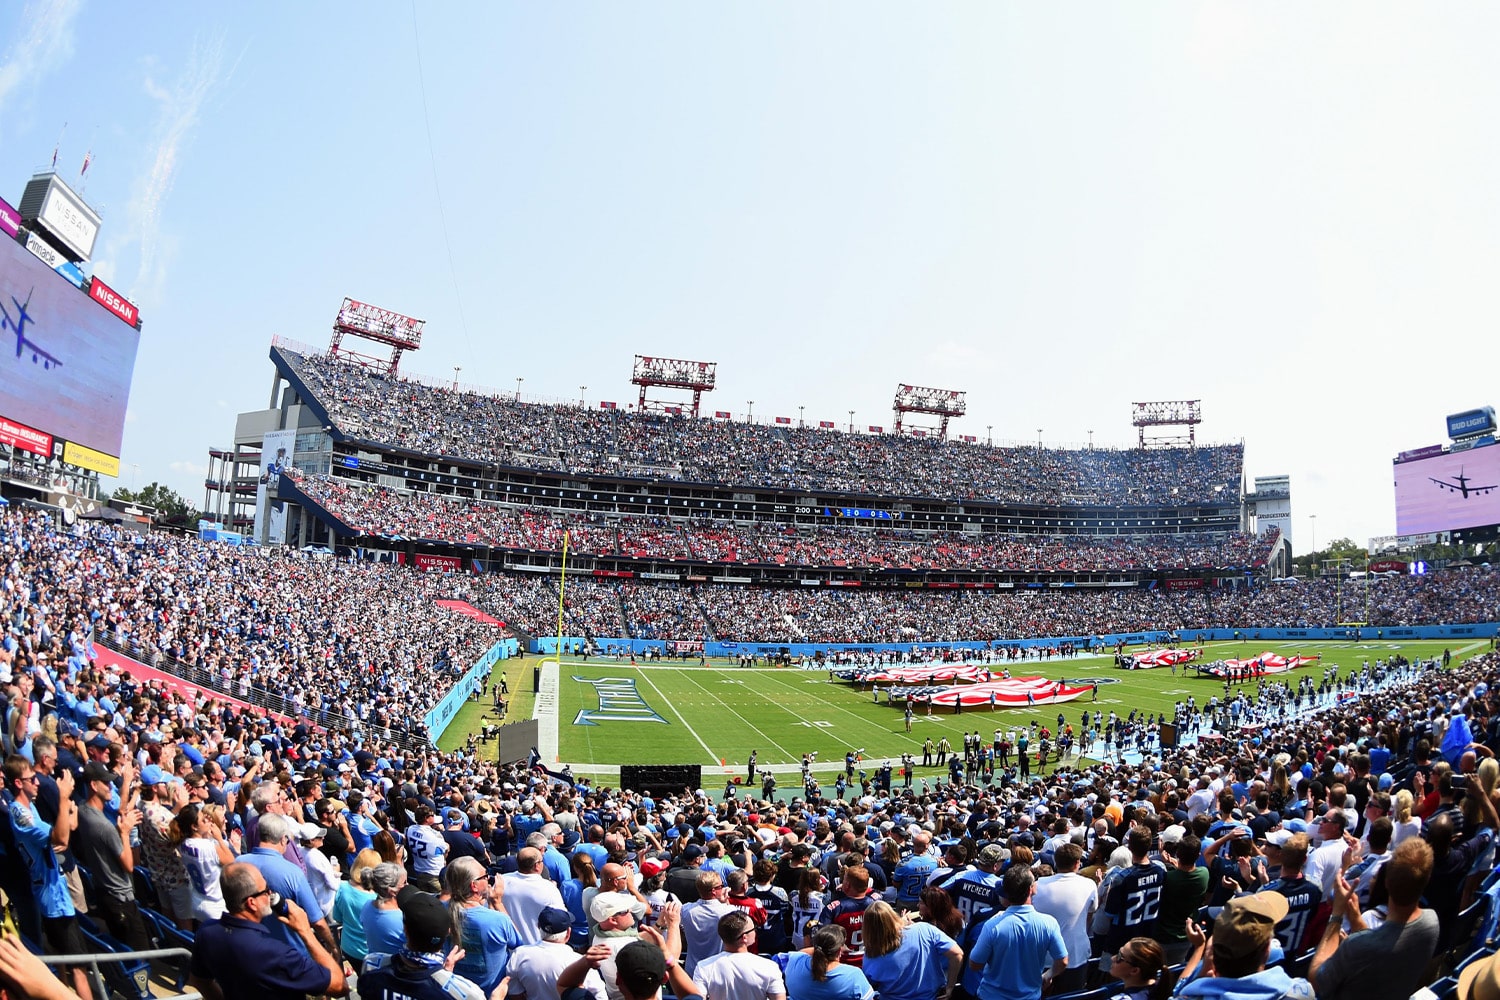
641	967
1173	834
652	867
152	774
1247	923
95	771
992	854
311	831
426	920
97	742
609	904
692	852
553	920
1277	838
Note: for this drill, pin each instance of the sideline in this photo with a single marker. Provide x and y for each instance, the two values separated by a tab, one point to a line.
544	711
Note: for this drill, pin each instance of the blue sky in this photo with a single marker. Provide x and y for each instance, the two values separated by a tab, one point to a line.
1287	212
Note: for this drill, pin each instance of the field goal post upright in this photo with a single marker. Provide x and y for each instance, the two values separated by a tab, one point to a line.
382	326
941	403
697	377
1172	414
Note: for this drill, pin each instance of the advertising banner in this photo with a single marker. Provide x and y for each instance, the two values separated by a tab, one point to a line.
26	438
10	219
88	458
443	564
276	453
114	302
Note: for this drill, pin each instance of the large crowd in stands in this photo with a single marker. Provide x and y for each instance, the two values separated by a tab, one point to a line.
600	608
359	640
496	428
377	510
1334	839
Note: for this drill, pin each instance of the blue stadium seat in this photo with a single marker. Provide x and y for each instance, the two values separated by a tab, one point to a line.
145	888
169	935
132	979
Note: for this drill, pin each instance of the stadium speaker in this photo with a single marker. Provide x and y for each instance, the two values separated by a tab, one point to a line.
1168	736
660	779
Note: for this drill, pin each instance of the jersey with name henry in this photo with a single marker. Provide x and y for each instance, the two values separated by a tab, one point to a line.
1133	904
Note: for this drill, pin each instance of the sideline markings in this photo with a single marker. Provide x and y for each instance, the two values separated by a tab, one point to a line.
544	710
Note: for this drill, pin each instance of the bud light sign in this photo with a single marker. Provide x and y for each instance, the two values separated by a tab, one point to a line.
1479	421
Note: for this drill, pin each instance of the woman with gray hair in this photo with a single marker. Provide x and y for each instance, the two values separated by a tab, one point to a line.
385	933
481	927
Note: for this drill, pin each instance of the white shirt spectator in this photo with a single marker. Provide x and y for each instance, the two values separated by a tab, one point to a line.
526	896
1070	899
739	975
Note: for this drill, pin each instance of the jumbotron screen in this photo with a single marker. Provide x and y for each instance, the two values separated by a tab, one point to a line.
66	361
1446	492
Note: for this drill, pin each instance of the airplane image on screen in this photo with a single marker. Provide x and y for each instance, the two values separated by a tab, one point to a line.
1460	485
38	356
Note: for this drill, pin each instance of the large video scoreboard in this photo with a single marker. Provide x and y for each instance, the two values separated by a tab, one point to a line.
1447	491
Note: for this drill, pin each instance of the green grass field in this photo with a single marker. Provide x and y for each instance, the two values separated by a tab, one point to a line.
722	712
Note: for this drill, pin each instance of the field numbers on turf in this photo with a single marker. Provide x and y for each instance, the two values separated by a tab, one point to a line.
731	682
1176	691
816	725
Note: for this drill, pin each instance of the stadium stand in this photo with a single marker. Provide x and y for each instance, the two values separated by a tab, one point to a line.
1328	758
366	406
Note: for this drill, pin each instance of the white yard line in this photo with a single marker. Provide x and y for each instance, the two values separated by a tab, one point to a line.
713	757
746	721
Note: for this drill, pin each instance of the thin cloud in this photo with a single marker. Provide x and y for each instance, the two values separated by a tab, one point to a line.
181	105
46	43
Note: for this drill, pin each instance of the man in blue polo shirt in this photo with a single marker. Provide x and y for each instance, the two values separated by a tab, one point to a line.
1016	945
286	879
239	958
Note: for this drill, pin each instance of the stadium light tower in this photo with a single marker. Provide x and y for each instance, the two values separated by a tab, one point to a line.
581	390
519	380
749	411
851	421
1175	413
697	376
456	370
367	322
800	421
943	403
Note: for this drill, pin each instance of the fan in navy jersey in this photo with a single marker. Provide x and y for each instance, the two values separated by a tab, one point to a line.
775	936
1304	899
977	889
848	911
1135	898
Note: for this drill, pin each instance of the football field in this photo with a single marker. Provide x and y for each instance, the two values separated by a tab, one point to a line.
611	713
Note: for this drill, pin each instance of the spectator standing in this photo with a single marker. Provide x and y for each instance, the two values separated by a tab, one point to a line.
237	958
40	844
1183	891
199	833
908	961
380	920
428	850
1241	946
817	972
1070	899
1386	963
103	847
735	973
1015	946
419	971
481	927
534	968
700	920
528	891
